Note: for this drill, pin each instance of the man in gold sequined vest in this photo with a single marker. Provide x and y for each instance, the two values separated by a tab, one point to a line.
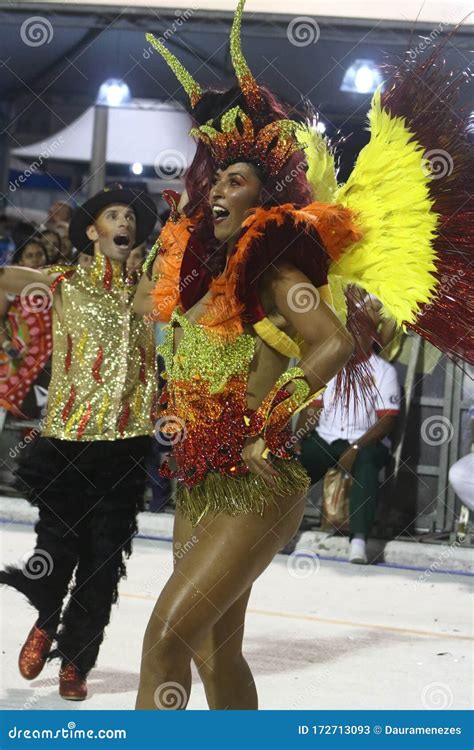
86	471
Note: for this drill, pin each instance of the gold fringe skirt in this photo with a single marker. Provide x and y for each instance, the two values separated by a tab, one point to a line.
246	494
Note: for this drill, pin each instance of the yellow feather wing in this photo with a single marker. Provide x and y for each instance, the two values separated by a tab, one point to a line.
321	172
388	191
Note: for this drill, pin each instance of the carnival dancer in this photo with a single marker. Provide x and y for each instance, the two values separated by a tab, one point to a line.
240	276
86	471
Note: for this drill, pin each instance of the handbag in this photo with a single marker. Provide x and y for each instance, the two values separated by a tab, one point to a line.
336	491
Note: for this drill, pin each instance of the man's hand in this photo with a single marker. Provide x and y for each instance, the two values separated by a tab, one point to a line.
252	457
347	459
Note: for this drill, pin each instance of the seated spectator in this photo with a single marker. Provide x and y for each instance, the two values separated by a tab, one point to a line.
31	254
354	437
461	473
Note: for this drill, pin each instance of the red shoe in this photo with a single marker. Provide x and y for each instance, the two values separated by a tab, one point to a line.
72	685
34	652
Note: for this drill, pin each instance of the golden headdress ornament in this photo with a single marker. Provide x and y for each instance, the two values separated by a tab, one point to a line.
241	136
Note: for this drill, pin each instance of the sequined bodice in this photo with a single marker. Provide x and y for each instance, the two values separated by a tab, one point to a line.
202	355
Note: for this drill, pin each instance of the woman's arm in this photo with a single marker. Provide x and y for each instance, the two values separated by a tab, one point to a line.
329	344
143	301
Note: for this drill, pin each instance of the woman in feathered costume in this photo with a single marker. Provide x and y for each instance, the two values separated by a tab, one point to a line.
248	273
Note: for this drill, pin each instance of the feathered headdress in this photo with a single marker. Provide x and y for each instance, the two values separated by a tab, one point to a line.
241	136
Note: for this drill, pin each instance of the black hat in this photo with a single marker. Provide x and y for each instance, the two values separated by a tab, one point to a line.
142	204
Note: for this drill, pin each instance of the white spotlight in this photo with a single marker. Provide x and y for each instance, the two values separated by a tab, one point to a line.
113	93
137	168
362	77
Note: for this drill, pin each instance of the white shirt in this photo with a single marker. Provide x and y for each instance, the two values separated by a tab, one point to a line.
337	422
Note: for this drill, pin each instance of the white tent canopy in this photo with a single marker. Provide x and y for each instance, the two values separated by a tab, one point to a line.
444	11
145	131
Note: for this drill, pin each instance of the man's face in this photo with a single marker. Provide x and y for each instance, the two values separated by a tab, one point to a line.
113	232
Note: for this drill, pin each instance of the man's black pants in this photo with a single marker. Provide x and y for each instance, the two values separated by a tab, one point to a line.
88	495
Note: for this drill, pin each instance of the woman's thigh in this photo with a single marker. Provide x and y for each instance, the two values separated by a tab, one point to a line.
216	566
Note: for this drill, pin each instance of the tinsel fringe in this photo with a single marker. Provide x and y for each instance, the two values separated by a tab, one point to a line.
219	493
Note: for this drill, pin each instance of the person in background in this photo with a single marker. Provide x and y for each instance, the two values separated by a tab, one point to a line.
355	437
25	340
59	212
31	254
461	473
58	219
51	240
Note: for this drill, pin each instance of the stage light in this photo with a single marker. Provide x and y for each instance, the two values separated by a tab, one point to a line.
114	93
321	127
137	168
362	77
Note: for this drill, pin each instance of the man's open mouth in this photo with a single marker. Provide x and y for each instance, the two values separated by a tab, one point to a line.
122	240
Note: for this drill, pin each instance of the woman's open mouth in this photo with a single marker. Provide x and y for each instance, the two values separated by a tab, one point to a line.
219	213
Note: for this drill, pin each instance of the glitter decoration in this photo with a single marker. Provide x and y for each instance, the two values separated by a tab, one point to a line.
192	88
206	392
124	417
97	365
268	145
269	148
105	353
69	403
68	357
246	80
81	346
84	421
